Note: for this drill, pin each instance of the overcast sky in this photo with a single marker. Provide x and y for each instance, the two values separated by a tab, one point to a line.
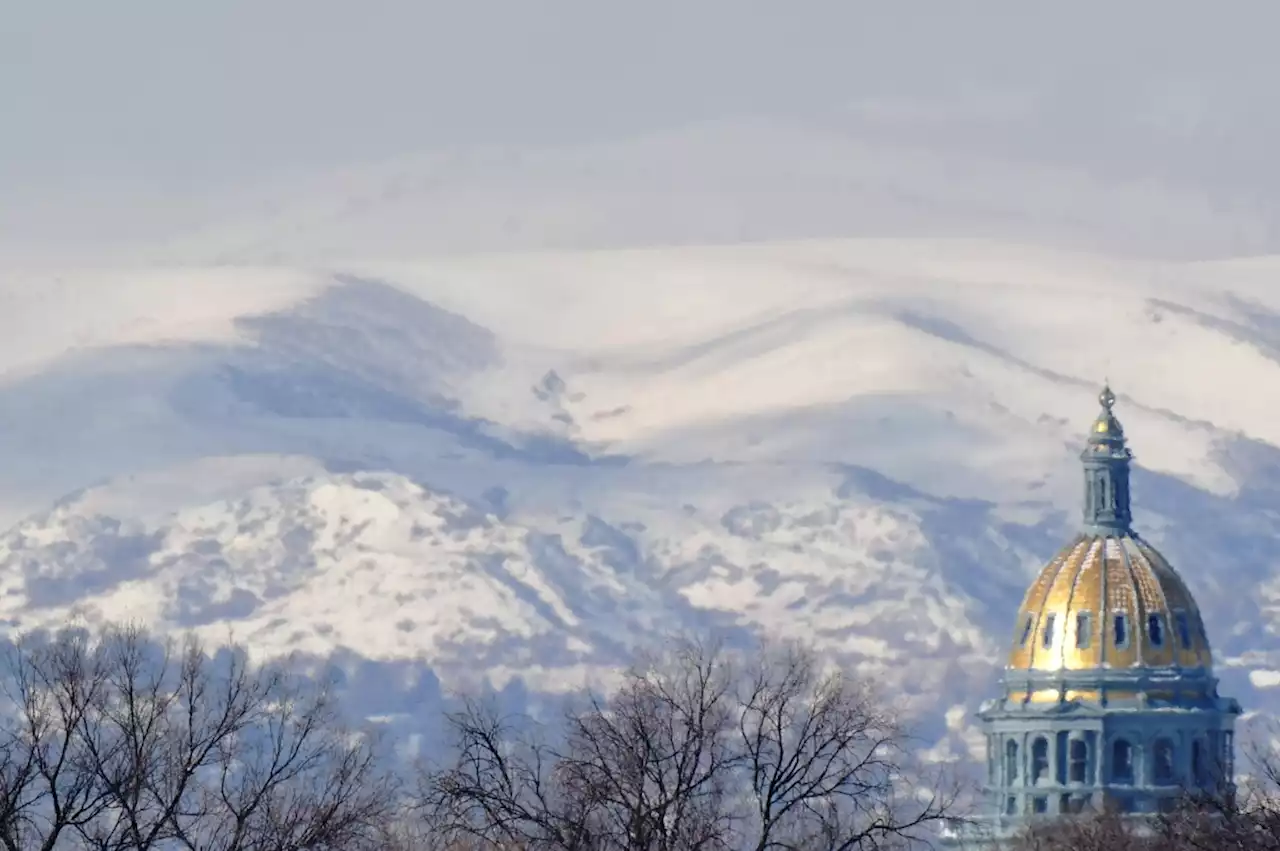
177	95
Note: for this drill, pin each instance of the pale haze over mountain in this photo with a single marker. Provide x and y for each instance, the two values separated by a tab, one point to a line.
487	340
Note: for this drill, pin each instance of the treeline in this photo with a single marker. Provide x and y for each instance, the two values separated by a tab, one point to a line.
118	741
1253	824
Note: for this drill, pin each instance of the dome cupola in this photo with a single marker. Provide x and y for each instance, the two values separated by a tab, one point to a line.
1106	460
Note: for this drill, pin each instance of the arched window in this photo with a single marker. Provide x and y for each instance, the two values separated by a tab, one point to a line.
1010	762
1121	630
1084	630
1199	776
1184	630
1046	638
1039	759
1165	774
1026	631
1079	755
1122	761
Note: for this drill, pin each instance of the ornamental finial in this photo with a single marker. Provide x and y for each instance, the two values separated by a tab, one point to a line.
1106	397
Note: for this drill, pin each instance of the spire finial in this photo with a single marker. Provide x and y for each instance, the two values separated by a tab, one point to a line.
1106	397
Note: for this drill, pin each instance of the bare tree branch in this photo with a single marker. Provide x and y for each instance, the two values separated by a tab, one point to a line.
826	756
125	743
656	761
502	789
698	750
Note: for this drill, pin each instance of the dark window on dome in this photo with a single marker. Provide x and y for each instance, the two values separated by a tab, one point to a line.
1010	806
1039	759
1046	637
1040	805
1010	762
1122	762
1155	629
1084	630
1122	630
1184	629
1026	631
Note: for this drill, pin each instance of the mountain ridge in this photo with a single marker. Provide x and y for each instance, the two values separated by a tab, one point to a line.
506	473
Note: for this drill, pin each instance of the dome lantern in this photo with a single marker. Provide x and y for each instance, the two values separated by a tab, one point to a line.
1106	459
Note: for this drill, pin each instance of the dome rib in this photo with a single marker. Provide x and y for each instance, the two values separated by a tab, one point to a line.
1071	598
1044	612
1104	658
1137	635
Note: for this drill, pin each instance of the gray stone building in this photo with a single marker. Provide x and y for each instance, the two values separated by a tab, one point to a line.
1108	699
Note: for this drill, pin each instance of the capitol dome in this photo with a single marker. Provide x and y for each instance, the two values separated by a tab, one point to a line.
1108	601
1108	608
1108	697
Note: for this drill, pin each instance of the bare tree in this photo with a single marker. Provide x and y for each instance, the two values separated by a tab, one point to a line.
1248	819
48	786
653	766
1255	809
121	742
1093	831
502	789
698	749
826	755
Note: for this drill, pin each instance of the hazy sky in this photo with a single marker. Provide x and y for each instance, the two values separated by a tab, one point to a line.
154	87
178	95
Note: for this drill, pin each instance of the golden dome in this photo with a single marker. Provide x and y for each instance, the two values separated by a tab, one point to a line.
1108	602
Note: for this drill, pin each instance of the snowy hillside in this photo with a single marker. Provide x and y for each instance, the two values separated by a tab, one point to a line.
520	466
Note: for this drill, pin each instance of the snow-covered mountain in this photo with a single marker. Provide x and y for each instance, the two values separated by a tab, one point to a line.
515	468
